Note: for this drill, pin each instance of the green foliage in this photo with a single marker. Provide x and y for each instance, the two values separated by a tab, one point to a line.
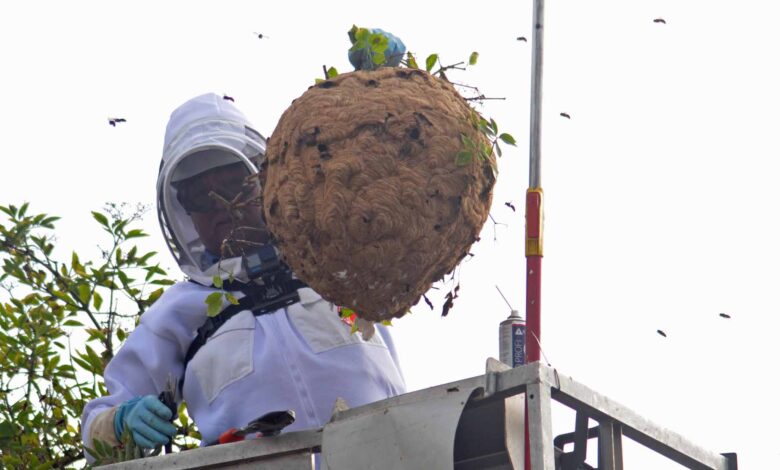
346	312
214	303
374	44
488	128
214	300
61	320
411	62
430	62
471	151
231	298
329	73
105	453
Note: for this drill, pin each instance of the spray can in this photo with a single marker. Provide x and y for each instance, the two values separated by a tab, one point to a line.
511	340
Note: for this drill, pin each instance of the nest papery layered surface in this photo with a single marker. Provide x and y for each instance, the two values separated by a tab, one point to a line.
363	193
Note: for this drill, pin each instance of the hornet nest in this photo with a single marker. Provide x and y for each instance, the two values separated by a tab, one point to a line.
363	193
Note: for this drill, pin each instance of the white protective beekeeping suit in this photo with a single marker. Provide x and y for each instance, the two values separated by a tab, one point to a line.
300	357
205	133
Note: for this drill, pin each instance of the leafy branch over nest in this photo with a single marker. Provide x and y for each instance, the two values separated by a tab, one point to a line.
376	44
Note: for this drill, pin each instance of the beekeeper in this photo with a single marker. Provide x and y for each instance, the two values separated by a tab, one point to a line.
282	347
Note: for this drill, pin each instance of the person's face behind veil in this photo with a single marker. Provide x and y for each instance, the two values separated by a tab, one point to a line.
226	209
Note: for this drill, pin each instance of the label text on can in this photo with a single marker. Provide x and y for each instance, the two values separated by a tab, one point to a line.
518	344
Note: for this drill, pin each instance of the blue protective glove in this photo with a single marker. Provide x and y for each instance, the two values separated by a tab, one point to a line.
361	58
147	419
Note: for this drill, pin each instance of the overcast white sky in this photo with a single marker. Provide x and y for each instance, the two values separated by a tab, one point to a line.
661	194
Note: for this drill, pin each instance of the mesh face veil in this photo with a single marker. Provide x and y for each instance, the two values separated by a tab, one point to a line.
204	133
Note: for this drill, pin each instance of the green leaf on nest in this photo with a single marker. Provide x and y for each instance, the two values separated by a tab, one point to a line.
463	158
507	139
430	62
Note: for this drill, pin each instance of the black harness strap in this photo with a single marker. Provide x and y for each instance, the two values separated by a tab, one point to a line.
259	299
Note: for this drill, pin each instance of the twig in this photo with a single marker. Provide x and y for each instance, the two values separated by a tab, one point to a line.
465	86
482	98
444	68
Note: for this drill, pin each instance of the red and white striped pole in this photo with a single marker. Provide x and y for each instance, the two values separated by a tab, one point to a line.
534	204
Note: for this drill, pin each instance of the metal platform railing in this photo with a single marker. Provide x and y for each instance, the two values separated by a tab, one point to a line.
475	423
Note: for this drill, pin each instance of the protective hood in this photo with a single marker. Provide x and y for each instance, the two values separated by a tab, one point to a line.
203	133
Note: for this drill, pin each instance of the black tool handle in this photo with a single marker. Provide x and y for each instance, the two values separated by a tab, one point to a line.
166	397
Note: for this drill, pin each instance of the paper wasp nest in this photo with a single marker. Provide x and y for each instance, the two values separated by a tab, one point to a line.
363	193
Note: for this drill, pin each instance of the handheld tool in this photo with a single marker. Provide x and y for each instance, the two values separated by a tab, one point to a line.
168	398
269	424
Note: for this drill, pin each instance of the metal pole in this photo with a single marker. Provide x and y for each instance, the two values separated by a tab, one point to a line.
533	207
535	170
534	214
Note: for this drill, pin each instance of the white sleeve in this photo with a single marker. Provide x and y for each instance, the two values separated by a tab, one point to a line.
140	367
154	351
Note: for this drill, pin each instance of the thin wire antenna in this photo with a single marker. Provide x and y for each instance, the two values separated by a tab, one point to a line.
541	350
502	295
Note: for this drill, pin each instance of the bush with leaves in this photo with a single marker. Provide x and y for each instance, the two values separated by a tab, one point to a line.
60	323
